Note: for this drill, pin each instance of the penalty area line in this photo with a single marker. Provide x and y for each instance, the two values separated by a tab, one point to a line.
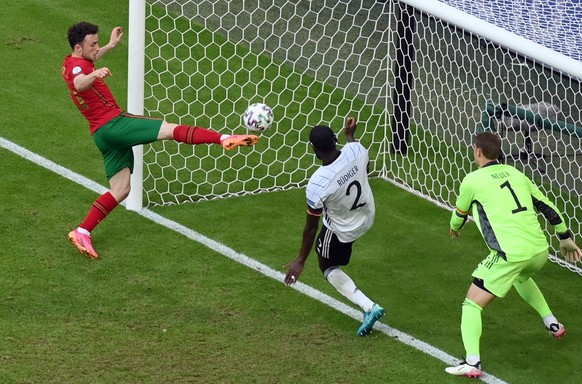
243	259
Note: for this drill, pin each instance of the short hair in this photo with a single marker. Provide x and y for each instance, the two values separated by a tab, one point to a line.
78	32
490	144
322	137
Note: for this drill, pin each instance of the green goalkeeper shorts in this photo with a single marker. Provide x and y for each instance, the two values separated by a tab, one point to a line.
499	275
116	137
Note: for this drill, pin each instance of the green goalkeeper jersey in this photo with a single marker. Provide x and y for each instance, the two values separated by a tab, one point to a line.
504	205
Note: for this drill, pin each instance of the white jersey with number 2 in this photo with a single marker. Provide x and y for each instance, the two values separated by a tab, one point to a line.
342	190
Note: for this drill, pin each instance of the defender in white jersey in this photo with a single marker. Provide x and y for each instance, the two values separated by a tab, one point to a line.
339	191
343	186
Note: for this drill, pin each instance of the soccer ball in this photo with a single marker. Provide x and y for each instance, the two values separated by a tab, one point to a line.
258	117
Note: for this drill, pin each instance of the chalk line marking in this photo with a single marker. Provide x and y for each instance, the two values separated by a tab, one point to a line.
244	260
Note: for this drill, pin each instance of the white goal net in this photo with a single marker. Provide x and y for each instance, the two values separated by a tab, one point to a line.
312	62
319	61
464	83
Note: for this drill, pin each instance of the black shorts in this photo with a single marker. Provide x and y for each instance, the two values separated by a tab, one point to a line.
330	251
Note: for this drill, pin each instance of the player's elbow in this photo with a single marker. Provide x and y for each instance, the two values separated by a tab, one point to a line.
81	84
80	88
460	213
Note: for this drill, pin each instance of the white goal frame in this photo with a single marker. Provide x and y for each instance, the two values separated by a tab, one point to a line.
135	93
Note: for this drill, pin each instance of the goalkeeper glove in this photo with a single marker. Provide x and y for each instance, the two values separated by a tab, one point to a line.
570	250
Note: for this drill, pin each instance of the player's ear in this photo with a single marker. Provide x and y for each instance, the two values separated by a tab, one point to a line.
477	151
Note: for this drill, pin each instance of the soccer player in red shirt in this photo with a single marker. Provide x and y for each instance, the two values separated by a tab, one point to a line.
114	131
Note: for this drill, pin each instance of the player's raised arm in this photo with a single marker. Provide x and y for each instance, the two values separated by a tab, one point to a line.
114	40
350	129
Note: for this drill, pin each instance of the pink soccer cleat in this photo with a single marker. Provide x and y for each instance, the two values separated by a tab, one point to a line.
83	244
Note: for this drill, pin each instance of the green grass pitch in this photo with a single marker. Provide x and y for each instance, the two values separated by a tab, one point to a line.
161	308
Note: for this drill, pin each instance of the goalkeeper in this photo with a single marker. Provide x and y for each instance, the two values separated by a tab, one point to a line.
114	131
504	203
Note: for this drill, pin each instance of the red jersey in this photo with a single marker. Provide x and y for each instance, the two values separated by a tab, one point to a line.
97	103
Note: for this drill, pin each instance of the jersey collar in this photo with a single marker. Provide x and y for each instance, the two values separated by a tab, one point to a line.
493	162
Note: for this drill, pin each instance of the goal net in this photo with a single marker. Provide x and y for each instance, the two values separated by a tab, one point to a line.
322	60
465	82
312	62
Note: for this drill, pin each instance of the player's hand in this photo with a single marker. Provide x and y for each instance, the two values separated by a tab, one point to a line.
116	35
570	250
454	234
350	127
102	73
294	269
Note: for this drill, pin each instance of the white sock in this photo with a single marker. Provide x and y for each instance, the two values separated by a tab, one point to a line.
346	286
549	320
84	231
473	359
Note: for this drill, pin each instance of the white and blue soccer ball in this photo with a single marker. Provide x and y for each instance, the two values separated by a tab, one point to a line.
258	117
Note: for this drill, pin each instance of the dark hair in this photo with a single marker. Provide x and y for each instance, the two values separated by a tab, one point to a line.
490	144
78	32
322	137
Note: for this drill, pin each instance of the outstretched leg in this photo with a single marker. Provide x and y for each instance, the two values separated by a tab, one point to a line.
198	135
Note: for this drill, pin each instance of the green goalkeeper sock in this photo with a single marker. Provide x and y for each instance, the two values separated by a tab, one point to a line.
471	327
529	291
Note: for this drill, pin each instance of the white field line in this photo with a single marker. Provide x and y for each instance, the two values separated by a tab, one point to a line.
245	260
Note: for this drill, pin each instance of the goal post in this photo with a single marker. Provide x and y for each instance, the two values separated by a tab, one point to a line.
135	93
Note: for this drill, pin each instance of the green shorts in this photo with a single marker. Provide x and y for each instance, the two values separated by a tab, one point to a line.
116	138
499	275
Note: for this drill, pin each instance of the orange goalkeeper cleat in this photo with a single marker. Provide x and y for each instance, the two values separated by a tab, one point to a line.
234	141
83	244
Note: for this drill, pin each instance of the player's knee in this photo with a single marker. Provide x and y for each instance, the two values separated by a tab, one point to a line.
125	193
328	270
471	304
121	194
120	184
120	191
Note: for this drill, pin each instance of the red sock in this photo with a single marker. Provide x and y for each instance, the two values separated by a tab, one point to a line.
196	135
100	209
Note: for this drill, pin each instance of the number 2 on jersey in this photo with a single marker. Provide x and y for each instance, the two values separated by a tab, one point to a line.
356	204
520	208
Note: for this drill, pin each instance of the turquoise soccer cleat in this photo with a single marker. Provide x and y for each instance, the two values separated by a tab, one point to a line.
370	319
